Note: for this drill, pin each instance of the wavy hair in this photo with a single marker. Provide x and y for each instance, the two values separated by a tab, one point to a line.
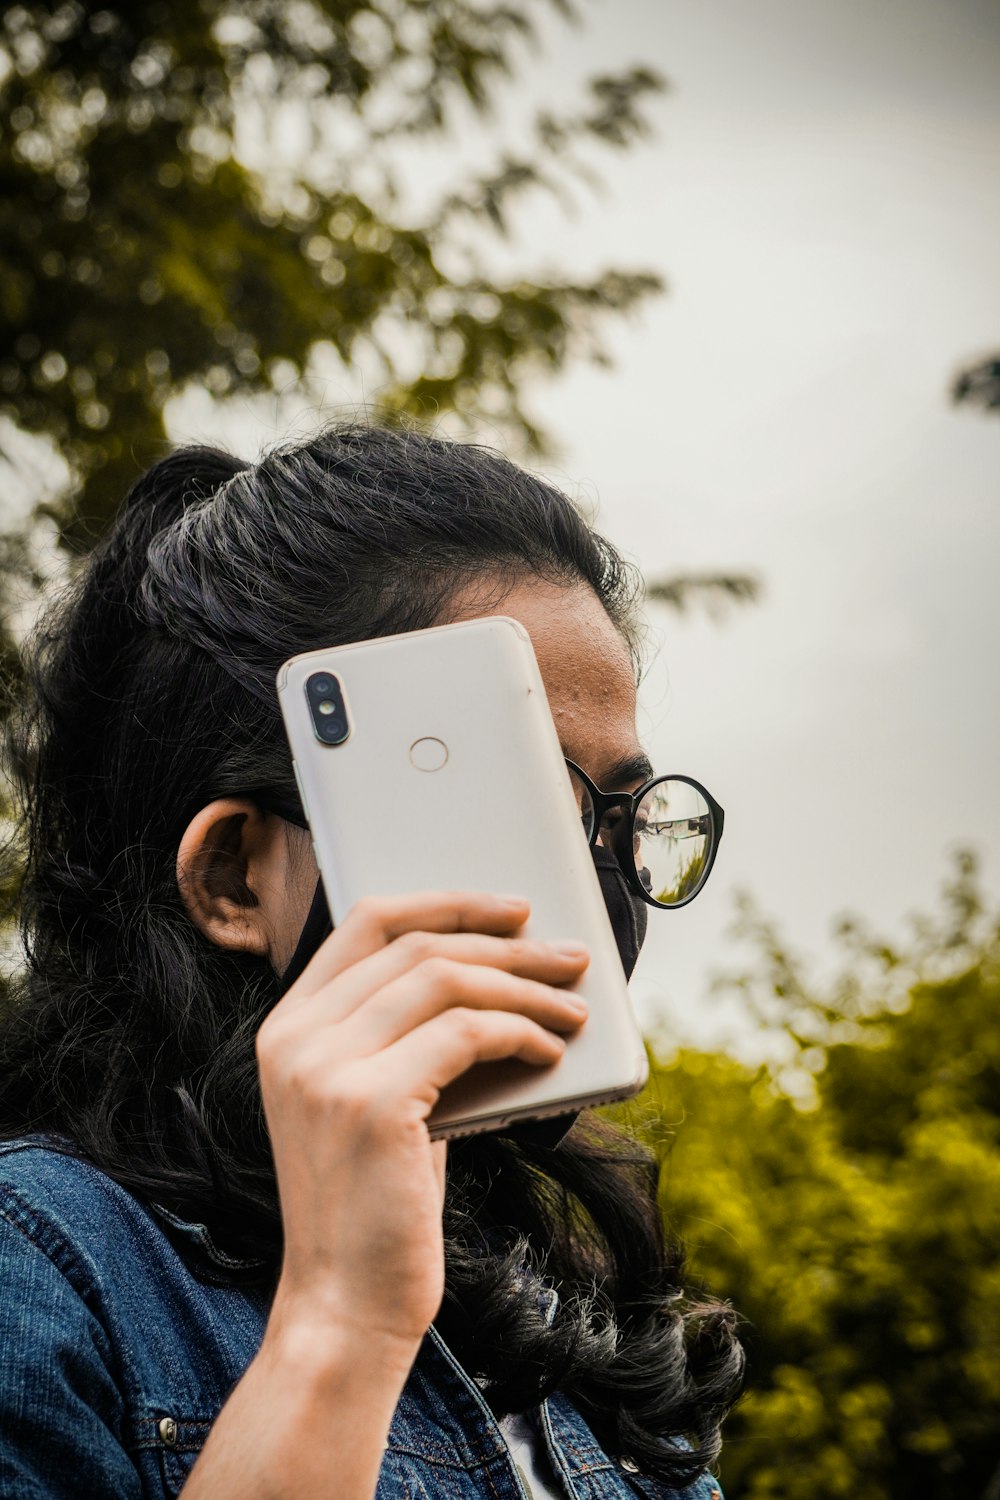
131	1036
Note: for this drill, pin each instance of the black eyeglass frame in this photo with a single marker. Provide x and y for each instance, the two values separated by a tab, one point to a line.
630	802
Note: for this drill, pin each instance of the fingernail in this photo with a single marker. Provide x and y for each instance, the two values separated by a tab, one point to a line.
570	950
577	1002
512	900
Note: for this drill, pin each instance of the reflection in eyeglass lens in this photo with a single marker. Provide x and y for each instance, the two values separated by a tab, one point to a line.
671	840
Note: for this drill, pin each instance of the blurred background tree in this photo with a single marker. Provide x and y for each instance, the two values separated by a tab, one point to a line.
979	385
153	234
847	1198
156	230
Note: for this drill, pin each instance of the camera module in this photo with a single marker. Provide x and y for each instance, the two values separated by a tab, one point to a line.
328	710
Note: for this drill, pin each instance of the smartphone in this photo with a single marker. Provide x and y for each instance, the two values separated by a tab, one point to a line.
430	761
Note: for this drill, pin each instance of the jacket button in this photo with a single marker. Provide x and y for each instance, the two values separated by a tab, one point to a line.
168	1431
629	1465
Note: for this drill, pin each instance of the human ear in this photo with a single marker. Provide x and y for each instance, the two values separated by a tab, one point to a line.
230	862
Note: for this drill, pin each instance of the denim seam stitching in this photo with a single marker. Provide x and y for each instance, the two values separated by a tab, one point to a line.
32	1228
460	1467
29	1230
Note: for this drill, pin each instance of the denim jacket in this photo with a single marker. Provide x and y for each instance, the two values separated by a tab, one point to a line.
120	1339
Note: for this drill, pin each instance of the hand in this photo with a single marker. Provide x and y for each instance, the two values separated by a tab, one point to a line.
406	995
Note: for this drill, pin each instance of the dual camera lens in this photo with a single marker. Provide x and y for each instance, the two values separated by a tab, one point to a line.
326	704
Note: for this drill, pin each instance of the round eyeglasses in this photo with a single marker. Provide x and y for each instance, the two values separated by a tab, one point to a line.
665	836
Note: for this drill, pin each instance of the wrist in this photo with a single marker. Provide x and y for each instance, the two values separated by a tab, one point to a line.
326	1343
318	1398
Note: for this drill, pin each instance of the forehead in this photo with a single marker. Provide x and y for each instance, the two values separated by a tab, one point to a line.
584	661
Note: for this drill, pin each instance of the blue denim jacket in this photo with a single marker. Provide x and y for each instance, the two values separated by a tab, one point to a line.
120	1340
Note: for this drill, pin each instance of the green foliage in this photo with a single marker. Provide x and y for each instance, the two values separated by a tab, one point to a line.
856	1225
146	244
980	384
714	590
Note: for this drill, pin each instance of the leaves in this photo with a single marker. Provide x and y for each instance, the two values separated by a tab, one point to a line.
143	247
979	385
857	1235
713	590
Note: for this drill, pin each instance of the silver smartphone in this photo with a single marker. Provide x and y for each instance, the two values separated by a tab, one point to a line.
430	761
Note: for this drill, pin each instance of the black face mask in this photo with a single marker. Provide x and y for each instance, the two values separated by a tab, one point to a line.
628	913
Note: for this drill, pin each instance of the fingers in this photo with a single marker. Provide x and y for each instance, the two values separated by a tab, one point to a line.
377	921
409	954
423	1062
443	984
356	1096
407	994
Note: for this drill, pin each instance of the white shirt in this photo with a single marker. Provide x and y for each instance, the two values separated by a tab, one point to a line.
531	1460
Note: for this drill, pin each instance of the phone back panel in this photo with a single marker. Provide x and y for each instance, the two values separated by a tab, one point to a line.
452	778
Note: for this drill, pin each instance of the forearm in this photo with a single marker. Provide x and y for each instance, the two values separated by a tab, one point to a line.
310	1418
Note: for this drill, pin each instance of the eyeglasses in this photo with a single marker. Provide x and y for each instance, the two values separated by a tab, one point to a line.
665	836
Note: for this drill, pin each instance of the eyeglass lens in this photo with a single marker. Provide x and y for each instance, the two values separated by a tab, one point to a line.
671	837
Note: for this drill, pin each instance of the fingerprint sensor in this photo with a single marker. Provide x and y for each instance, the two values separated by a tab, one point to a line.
428	754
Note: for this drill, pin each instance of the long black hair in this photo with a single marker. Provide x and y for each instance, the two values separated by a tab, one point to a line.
131	1036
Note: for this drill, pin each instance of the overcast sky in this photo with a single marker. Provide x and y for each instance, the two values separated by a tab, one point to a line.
822	195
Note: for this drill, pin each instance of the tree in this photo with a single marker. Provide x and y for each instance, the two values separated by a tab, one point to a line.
980	384
146	243
847	1199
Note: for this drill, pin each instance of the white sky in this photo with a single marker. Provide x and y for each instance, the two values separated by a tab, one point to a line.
822	195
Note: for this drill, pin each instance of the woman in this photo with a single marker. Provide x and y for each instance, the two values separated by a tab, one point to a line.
231	1259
